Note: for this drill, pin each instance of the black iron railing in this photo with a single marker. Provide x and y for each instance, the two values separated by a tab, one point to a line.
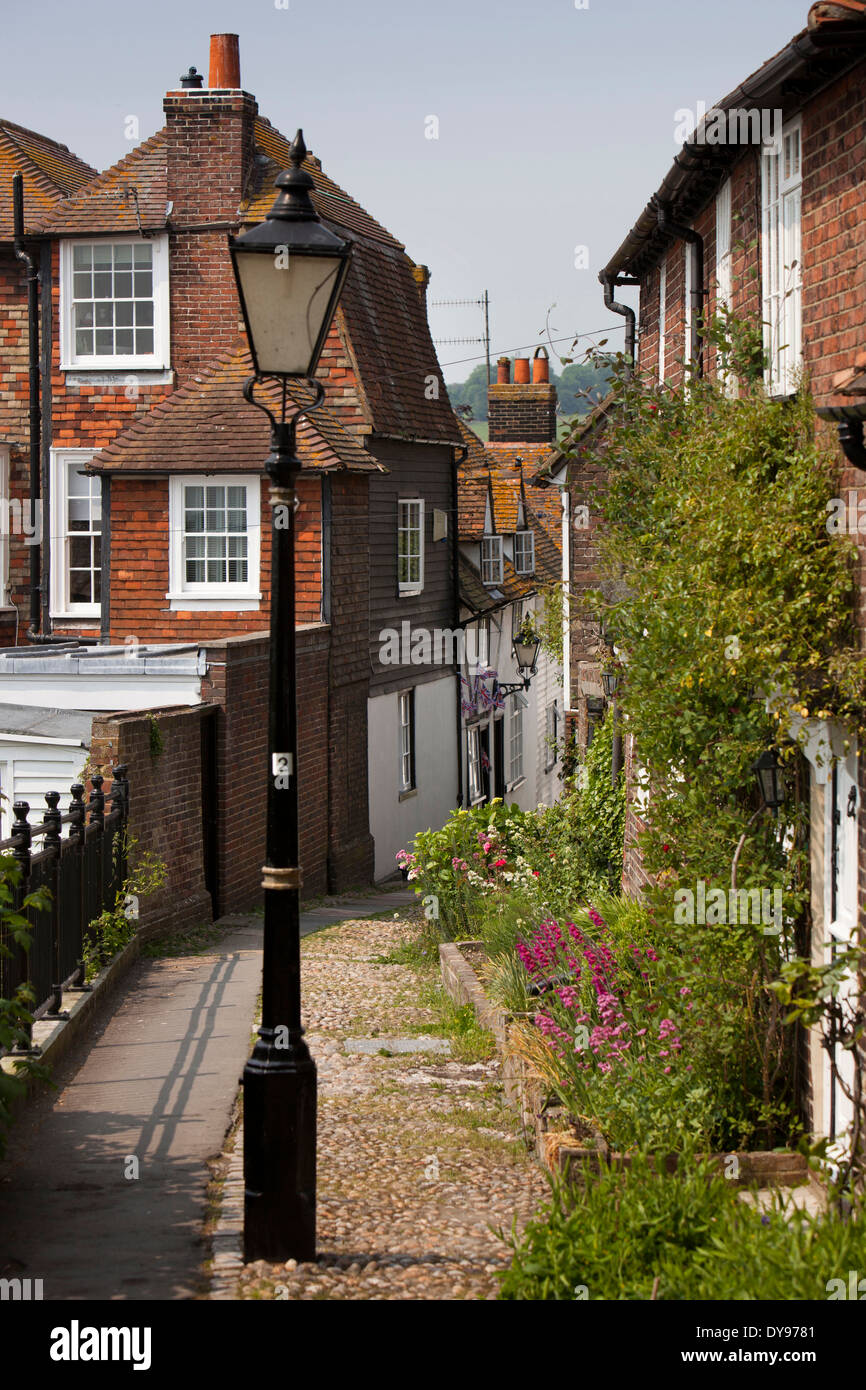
83	871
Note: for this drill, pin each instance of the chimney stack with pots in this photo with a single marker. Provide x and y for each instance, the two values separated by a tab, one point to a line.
209	144
522	411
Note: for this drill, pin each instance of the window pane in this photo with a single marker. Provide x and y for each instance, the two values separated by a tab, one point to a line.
101	284
79	514
142	254
82	285
123	286
144	342
79	551
104	340
102	257
123	257
143	313
143	282
79	586
83	343
123	341
104	315
83	316
82	256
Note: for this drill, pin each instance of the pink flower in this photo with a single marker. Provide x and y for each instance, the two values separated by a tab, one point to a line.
499	863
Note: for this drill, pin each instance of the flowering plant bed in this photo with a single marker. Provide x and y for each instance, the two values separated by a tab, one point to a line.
566	1144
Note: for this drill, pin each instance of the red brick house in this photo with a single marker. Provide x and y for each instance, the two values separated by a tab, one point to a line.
153	463
764	212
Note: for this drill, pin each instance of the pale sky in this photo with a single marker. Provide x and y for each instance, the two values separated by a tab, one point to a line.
555	123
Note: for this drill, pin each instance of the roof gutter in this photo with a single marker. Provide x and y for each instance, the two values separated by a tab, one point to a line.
785	75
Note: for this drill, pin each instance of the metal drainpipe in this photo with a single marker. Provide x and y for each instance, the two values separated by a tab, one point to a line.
628	314
33	633
459	455
696	241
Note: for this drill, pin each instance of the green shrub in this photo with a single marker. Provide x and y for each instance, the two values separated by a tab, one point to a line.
114	928
644	1233
15	1013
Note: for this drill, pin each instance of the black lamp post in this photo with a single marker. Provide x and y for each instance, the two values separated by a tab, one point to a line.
289	271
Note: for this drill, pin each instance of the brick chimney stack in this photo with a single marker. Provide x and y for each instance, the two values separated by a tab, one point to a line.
522	411
209	155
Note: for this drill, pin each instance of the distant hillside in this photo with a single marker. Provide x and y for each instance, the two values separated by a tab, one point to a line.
576	379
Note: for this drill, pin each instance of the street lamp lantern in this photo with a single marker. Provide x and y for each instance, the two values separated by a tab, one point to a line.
610	681
526	654
290	270
769	774
289	273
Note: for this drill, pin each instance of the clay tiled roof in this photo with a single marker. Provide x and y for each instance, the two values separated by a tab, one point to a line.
133	190
330	200
207	425
50	173
383	310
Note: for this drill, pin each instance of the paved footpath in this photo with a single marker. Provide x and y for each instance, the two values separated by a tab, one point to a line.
154	1081
418	1156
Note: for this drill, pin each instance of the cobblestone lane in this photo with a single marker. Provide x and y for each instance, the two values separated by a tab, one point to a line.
418	1155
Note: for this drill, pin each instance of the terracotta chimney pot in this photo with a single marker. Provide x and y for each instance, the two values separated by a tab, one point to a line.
540	365
503	371
521	371
225	62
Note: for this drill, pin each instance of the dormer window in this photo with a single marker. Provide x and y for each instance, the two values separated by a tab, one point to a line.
491	559
114	309
524	552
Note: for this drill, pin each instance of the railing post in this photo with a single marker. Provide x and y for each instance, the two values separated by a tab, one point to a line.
51	821
21	854
97	819
97	801
120	804
77	834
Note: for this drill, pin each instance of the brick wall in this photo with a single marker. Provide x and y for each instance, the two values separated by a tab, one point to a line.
520	413
238	683
164	806
634	877
139	553
210	150
166	788
15	429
